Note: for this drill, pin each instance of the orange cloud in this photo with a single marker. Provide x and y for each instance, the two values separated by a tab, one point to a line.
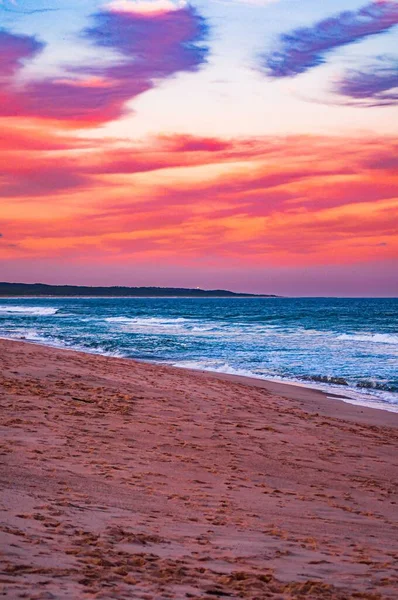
297	201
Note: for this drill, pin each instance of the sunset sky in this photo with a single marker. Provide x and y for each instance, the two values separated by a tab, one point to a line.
241	144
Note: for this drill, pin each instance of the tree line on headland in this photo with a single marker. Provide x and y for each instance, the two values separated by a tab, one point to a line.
42	289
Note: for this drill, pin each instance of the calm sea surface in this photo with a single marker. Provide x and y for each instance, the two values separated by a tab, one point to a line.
347	346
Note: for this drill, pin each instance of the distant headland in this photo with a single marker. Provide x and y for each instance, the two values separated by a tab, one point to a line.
42	289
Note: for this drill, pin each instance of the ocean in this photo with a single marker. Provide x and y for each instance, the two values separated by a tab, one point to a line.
344	346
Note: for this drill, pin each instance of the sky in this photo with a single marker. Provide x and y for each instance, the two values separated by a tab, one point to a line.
240	144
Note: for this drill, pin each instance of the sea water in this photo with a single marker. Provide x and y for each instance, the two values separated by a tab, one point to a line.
344	346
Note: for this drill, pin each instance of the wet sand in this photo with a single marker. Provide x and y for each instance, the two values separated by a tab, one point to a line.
128	480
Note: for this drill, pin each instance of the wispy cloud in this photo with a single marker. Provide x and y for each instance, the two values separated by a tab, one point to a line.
152	46
307	47
375	86
29	12
14	49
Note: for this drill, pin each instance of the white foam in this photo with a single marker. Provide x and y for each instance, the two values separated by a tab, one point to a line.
376	338
215	366
33	311
186	327
158	325
145	320
241	331
30	335
197	329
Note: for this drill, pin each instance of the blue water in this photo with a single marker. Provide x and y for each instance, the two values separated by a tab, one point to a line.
348	346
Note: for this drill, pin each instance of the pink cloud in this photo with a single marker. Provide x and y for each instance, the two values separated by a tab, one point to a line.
144	6
152	46
14	49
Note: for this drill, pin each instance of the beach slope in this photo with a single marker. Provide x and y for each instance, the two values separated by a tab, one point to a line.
127	480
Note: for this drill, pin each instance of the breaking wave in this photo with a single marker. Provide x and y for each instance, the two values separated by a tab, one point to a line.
145	321
376	338
179	325
33	311
88	346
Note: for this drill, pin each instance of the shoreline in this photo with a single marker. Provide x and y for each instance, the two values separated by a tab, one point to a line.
285	388
317	400
270	384
135	480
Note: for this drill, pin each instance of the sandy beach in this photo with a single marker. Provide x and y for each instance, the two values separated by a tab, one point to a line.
130	480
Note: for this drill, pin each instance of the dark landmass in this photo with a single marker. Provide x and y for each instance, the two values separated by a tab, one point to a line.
41	289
